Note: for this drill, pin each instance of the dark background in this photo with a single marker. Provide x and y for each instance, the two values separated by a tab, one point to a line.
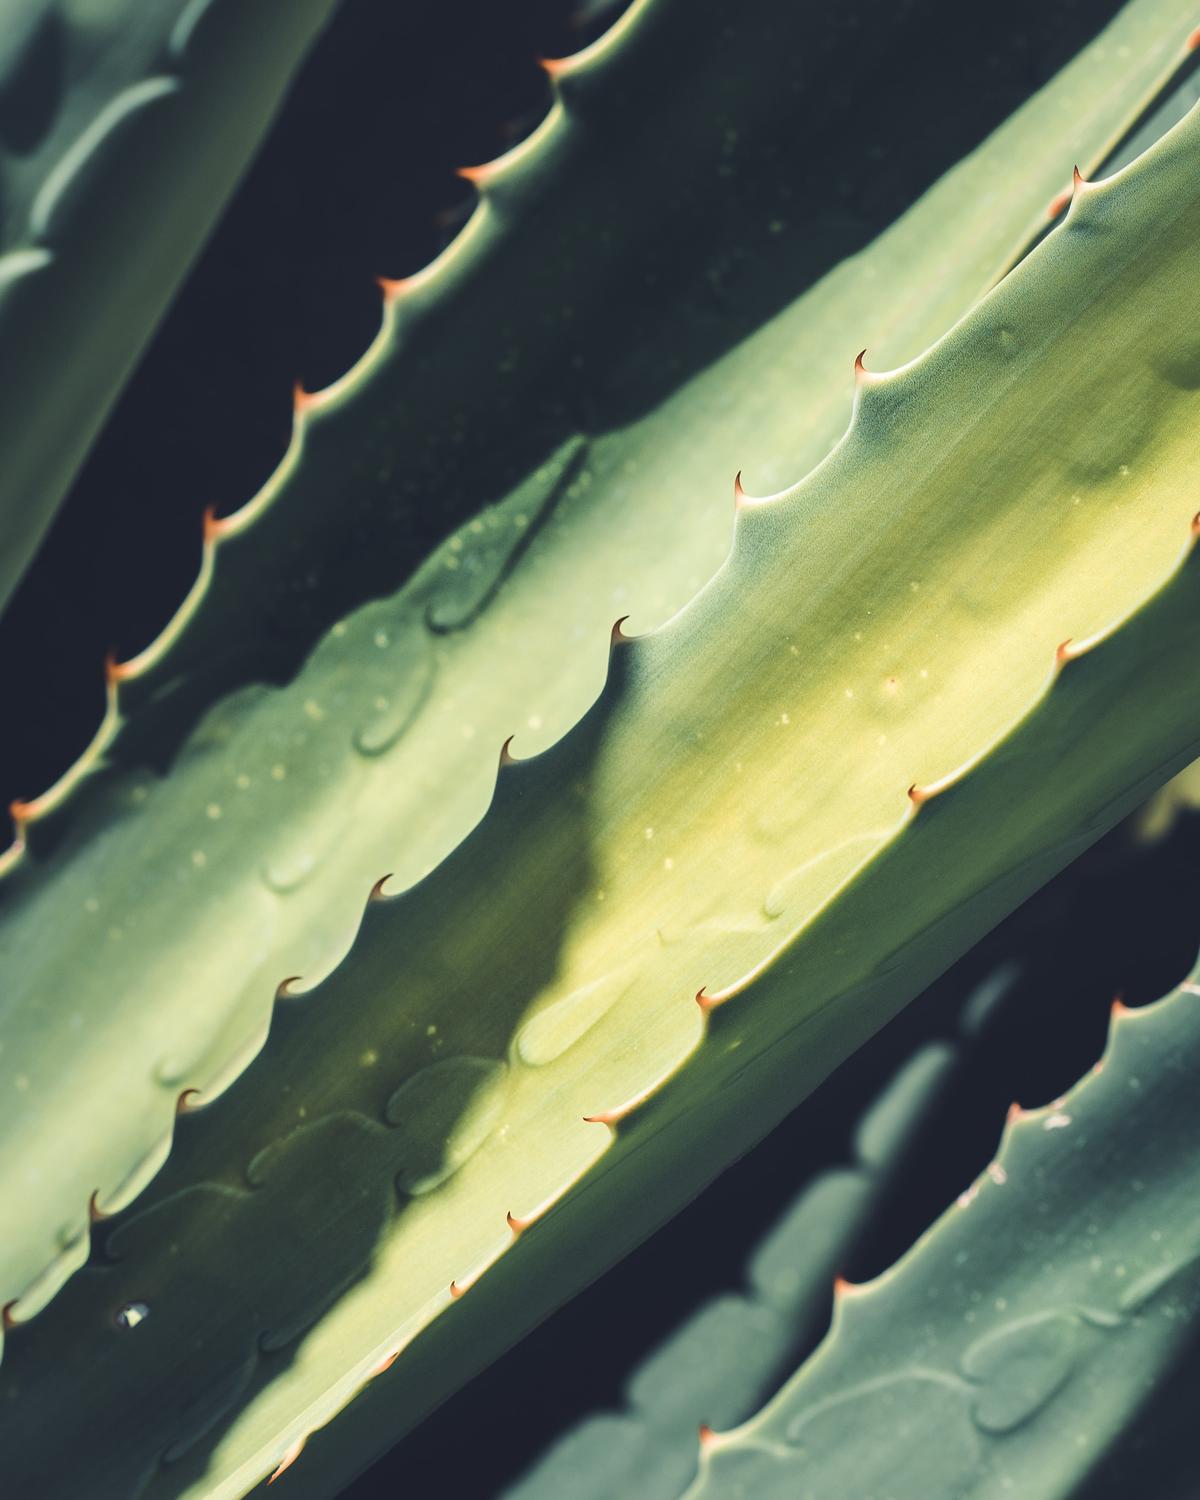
356	181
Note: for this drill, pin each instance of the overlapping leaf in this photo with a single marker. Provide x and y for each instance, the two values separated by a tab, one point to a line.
1015	1347
124	126
169	913
925	677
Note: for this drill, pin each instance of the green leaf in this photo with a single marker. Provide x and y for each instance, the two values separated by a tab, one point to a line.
1021	1339
770	804
124	126
168	913
732	1351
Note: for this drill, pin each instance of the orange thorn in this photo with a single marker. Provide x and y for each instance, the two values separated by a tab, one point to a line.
1193	42
377	889
215	526
288	1459
1119	1008
1063	651
95	1212
1016	1112
705	1001
385	1363
918	795
478	176
708	1438
283	990
518	1226
553	67
21	812
843	1288
507	758
620	1111
618	637
1078	180
116	671
1196	524
393	287
304	401
6	1314
182	1106
456	1291
739	494
860	370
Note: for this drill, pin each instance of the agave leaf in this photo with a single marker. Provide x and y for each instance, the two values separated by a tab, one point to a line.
546	318
170	912
1022	1337
964	646
124	126
732	1351
1180	795
968	852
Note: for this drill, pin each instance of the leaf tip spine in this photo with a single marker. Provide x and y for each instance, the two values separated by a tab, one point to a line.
478	176
919	794
393	287
290	1456
214	527
116	671
385	1363
461	1288
304	401
22	813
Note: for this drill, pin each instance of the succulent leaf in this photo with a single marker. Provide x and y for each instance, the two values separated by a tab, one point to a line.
695	836
729	1354
1014	1345
482	370
170	912
123	128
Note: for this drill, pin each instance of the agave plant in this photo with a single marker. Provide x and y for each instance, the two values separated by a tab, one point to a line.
422	928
